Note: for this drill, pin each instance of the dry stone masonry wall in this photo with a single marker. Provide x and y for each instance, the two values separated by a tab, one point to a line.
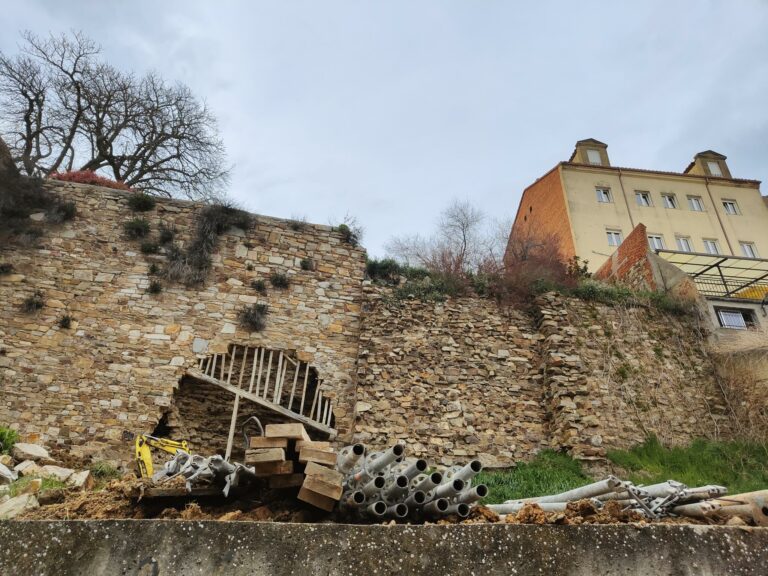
119	364
456	380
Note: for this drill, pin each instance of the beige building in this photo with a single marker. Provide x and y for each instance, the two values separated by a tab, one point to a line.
592	206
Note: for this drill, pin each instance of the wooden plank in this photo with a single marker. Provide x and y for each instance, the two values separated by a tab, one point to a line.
324	480
264	455
264	442
293	386
319	456
253	369
266	404
304	390
316	444
286	481
174	492
316	500
266	378
235	408
261	365
278	373
292	431
272	468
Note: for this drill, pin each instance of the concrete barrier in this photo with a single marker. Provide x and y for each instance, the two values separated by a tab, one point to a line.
165	547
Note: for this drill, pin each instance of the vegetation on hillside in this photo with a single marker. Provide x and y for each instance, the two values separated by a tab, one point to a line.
739	466
8	437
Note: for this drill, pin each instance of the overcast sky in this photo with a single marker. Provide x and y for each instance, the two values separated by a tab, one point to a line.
387	110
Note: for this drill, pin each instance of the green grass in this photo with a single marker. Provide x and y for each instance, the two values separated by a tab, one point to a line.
549	472
48	484
8	437
739	466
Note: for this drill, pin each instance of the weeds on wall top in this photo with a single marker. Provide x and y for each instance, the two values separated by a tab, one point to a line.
89	177
191	266
141	202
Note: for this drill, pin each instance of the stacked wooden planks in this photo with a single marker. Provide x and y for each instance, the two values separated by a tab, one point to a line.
288	458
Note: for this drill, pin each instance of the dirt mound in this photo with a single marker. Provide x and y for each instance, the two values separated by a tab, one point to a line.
112	502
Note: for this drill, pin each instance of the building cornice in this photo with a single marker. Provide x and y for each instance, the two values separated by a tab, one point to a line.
670	175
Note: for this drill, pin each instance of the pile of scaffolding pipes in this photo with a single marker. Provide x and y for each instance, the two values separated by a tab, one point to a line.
665	499
388	485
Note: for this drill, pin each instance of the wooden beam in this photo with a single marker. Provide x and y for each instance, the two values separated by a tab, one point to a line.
265	403
235	407
253	370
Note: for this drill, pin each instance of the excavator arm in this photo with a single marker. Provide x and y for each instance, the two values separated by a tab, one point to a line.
144	445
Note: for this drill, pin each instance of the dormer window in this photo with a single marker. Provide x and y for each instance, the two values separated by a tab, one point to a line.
714	168
593	156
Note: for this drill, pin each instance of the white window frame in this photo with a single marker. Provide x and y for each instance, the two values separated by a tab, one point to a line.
734	207
684	243
614	236
736	318
749	247
643	198
711	242
669	201
602	192
656	241
696	204
591	152
716	171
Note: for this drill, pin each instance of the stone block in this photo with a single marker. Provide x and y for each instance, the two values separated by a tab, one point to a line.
57	472
23	451
82	480
15	506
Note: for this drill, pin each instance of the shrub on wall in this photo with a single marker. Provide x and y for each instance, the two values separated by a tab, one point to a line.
155	287
254	317
167	234
34	302
8	437
65	322
136	228
191	266
20	197
149	247
307	264
89	177
6	267
279	280
259	285
141	202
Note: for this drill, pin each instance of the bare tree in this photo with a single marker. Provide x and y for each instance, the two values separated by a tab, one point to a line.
465	241
64	109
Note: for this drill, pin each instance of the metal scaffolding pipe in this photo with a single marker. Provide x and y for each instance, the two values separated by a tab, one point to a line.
436	507
397	488
354	499
348	457
374	486
429	482
472	494
377	461
593	490
468	472
414	468
376	509
461	509
397	511
449	489
416	498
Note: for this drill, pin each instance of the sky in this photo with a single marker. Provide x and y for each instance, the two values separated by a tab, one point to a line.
388	110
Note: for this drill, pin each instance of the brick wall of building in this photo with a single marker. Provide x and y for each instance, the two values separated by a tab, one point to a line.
543	212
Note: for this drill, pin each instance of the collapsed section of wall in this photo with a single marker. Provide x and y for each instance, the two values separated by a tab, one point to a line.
117	366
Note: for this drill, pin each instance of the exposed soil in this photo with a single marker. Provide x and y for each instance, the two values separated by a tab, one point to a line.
124	499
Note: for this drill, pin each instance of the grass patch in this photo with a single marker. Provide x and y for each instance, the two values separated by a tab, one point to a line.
149	247
549	472
739	466
104	471
48	484
8	437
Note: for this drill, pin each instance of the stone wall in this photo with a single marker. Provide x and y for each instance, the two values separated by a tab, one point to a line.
466	378
117	367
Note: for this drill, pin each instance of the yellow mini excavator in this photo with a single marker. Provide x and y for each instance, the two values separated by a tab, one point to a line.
144	444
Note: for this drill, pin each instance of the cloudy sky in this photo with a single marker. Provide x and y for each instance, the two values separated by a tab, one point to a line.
388	110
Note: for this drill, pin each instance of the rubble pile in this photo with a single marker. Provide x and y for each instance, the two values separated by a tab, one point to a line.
617	498
34	462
